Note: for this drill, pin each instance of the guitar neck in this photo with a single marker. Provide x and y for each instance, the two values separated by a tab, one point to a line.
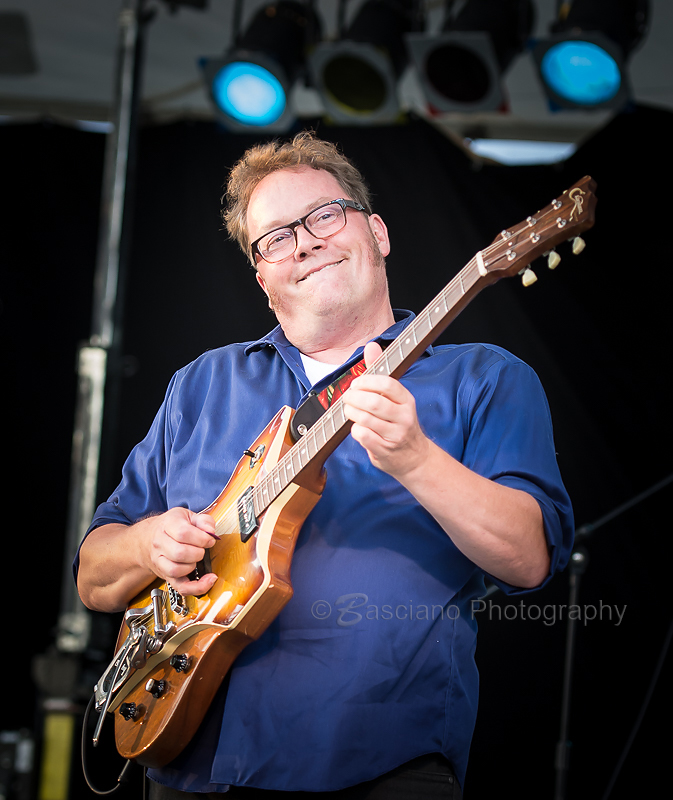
311	451
509	254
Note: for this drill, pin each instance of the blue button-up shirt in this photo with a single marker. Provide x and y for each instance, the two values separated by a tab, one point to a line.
371	663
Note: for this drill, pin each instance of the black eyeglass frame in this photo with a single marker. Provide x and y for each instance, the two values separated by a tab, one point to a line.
254	247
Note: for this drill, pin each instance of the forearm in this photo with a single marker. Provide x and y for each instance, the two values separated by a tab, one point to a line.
113	568
118	561
497	527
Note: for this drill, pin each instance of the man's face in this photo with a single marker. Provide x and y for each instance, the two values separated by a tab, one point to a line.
323	277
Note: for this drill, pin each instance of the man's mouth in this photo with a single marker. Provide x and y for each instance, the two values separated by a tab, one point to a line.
319	269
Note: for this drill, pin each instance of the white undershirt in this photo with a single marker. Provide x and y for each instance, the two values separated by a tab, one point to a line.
316	370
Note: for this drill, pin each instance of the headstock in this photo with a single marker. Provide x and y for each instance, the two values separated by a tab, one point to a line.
564	218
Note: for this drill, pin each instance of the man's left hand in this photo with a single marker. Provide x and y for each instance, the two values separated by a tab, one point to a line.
384	419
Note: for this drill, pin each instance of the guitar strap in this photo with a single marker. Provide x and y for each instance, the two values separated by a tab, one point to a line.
336	389
315	405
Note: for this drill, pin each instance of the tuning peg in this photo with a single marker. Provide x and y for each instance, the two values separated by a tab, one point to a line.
578	245
553	259
528	277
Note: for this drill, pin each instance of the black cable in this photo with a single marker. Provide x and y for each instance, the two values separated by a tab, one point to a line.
83	758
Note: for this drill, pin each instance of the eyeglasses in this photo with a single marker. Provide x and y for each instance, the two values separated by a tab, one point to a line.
322	222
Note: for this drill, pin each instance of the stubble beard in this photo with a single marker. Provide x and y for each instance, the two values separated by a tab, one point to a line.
282	308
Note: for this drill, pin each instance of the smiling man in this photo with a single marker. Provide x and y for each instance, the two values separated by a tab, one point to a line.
449	476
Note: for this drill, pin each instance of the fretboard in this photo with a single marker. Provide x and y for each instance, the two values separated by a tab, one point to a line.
333	427
508	255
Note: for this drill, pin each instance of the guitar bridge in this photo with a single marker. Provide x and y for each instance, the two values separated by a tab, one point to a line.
140	644
176	601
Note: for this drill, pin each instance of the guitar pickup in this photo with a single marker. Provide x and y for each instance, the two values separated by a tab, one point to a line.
247	521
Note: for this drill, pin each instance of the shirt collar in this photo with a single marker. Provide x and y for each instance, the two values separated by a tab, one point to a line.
277	339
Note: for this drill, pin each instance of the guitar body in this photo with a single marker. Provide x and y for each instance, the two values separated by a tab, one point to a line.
209	632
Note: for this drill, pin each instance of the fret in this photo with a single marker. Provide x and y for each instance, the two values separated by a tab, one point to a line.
337	416
399	352
393	355
382	365
257	502
327	420
294	456
285	479
319	429
453	290
426	318
264	488
310	443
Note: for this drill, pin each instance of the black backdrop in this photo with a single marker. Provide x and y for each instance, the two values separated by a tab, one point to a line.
597	331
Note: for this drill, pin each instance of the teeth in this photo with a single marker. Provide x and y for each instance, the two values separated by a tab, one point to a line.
322	269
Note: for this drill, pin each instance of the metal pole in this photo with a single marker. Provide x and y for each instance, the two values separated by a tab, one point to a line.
57	672
578	565
93	356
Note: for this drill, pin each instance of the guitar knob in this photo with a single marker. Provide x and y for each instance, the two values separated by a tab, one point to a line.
528	277
553	260
180	663
578	245
156	688
128	711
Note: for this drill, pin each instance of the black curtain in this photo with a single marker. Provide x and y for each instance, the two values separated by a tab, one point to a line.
596	330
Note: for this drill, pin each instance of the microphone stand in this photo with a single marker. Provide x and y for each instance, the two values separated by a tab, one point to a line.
578	565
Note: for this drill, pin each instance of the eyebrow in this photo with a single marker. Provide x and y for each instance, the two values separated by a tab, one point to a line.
307	210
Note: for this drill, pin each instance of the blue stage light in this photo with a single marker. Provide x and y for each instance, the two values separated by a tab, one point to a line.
249	93
250	84
583	62
581	72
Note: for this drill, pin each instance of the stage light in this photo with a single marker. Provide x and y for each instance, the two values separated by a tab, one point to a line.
583	63
250	86
460	69
357	76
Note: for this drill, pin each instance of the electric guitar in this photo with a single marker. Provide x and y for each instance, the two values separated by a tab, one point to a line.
173	652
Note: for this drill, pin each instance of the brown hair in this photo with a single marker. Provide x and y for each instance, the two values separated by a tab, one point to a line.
305	149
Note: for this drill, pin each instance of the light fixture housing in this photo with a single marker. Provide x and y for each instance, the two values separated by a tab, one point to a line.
460	69
582	64
250	86
357	76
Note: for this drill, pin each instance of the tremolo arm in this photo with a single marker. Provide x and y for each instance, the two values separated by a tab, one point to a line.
140	644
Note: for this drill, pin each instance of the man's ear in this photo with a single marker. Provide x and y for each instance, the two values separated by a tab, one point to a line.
380	231
260	281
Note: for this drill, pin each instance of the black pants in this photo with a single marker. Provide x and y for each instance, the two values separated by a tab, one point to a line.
425	778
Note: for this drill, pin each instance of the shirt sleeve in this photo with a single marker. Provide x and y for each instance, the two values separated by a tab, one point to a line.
142	490
510	440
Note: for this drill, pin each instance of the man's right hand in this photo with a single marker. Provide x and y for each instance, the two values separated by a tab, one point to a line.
119	561
176	541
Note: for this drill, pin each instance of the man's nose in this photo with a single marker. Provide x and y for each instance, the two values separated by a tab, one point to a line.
306	242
